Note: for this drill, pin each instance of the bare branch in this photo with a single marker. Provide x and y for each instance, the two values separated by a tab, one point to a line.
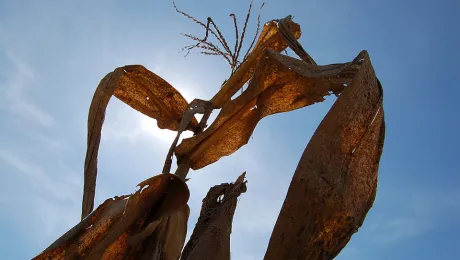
222	38
209	53
208	46
235	24
244	30
230	55
257	33
206	26
191	17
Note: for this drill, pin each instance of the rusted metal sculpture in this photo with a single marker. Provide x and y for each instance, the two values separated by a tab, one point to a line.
331	191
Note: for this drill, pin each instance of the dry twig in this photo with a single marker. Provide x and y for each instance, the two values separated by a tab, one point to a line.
231	56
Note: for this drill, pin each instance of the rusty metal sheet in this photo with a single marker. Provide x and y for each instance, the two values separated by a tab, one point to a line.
335	182
112	230
144	91
279	84
210	239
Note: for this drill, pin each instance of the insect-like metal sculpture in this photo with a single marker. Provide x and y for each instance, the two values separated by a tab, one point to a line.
331	191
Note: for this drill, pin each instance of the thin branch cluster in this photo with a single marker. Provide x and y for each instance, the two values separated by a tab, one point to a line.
231	55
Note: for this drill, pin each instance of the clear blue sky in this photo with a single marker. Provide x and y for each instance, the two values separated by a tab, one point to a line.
54	53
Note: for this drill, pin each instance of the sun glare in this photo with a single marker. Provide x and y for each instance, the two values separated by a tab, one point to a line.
149	126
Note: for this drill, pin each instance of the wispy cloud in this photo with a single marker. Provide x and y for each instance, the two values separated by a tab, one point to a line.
391	230
33	112
49	142
23	68
409	214
51	196
16	93
59	188
54	217
256	215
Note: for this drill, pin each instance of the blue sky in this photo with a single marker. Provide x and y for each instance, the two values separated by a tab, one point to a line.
54	53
